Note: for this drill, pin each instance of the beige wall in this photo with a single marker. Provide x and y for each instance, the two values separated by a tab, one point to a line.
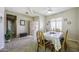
42	23
71	15
77	11
20	29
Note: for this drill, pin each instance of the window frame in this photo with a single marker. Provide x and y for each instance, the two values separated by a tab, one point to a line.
56	20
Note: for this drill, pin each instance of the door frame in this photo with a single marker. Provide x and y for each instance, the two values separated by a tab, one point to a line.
15	17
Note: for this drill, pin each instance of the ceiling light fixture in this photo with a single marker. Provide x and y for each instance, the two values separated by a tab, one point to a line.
49	10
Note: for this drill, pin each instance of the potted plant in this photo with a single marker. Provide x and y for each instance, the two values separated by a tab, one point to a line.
8	36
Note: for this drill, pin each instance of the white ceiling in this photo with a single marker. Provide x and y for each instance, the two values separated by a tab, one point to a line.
35	11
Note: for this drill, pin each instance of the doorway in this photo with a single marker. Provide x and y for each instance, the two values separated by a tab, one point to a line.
33	27
11	24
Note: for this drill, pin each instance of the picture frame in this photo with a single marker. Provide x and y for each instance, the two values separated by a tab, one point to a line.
22	22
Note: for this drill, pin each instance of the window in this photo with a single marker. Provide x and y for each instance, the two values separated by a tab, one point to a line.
53	22
56	24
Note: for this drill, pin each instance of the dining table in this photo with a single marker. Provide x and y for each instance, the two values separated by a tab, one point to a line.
54	37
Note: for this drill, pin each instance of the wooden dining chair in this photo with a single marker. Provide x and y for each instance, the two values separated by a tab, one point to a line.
42	43
64	42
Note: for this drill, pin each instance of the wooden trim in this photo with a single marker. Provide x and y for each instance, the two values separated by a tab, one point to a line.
29	27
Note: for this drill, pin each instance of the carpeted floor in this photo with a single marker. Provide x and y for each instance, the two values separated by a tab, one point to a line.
28	44
24	44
